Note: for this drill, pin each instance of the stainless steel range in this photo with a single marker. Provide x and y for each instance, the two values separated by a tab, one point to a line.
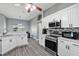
51	43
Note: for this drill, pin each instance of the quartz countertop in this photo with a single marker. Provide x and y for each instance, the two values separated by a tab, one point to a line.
13	34
72	40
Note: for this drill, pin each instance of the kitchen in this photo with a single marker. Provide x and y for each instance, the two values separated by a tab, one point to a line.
54	27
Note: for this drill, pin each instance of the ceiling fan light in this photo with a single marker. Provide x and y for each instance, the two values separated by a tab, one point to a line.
28	5
31	9
26	8
34	7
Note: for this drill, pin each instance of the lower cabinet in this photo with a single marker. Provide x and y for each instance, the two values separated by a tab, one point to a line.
22	40
5	45
0	45
67	48
12	42
8	43
42	40
62	48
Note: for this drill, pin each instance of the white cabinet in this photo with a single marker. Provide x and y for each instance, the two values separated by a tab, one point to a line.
0	45
10	42
62	47
75	16
74	49
45	22
67	47
65	18
5	45
21	40
42	40
70	17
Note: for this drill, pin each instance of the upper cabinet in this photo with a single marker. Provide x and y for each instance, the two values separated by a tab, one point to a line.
69	17
75	16
65	18
46	20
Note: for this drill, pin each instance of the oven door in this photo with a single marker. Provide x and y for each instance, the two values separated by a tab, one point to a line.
51	45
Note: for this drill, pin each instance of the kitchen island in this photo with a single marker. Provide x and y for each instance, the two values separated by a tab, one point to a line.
12	40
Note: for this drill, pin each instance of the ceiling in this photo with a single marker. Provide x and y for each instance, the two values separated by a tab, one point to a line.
19	12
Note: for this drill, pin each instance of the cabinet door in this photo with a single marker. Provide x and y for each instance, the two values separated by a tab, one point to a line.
12	41
65	21
0	45
44	22
40	41
5	45
24	40
75	16
58	16
43	41
18	40
74	49
62	47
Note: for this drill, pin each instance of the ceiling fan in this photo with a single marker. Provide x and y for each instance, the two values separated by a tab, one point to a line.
30	7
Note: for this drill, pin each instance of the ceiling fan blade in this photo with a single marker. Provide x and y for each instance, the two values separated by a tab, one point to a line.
28	11
39	8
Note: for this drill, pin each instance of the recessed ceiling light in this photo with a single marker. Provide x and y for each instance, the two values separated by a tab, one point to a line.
17	4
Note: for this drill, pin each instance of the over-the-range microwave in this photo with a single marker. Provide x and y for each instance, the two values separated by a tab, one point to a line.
55	24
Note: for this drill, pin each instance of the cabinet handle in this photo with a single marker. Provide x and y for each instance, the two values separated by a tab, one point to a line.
10	40
68	47
0	40
62	41
21	37
75	45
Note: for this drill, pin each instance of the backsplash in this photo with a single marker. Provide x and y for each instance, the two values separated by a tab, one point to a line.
59	31
71	29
